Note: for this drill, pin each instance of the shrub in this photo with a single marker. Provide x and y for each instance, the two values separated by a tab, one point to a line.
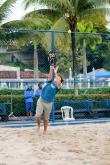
18	104
18	101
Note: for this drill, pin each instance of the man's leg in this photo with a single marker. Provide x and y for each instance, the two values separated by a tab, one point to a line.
31	109
27	114
39	111
48	107
38	122
45	126
31	114
27	109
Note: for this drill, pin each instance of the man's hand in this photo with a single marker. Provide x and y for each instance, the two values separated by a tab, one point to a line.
56	70
51	67
52	58
50	73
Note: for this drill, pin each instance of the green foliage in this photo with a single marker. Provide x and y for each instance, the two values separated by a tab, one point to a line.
86	91
82	96
18	105
61	15
61	91
11	91
52	15
85	27
91	39
27	23
74	12
99	57
18	102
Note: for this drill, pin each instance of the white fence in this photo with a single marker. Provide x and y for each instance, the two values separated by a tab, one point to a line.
67	84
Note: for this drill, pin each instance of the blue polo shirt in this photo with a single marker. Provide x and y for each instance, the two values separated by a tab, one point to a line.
38	92
28	94
49	91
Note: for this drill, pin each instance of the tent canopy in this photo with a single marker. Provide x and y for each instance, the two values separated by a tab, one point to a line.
98	73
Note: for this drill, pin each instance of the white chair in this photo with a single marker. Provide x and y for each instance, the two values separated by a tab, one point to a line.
67	113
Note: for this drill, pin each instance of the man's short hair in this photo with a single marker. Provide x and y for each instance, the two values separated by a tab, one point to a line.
40	84
61	78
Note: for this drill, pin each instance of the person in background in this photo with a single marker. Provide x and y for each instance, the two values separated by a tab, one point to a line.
38	90
29	96
44	103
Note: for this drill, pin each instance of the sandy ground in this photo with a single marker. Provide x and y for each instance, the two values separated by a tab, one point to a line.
65	145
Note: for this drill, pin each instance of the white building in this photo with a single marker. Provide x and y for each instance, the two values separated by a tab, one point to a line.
12	77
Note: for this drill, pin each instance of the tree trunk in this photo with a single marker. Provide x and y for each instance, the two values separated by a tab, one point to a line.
73	24
74	55
84	63
36	74
84	60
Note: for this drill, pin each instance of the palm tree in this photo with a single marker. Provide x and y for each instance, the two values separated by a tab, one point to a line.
5	8
87	40
73	11
22	37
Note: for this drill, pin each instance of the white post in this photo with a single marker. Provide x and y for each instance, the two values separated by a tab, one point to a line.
18	73
70	73
93	70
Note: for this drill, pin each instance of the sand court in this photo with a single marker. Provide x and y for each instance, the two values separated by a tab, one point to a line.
87	144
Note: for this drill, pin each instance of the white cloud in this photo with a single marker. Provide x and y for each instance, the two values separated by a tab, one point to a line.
18	11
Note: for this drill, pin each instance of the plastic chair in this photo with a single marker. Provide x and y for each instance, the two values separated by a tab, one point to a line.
67	113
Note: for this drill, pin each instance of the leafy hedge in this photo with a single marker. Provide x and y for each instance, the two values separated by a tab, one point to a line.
18	101
18	104
82	97
11	91
62	91
86	91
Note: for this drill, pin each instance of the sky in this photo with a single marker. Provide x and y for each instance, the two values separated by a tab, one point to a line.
18	11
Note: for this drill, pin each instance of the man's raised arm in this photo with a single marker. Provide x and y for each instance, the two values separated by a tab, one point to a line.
50	73
53	72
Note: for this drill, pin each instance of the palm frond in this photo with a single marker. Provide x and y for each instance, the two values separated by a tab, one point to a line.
34	24
60	24
95	12
52	15
5	8
52	4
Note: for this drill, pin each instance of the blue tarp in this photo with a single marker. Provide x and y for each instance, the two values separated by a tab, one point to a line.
99	73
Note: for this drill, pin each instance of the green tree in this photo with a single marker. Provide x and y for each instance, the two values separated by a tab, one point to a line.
99	57
73	11
23	37
90	40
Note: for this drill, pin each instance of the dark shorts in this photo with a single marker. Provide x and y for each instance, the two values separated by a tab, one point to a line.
29	107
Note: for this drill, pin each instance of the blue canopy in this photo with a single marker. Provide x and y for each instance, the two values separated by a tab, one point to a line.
98	73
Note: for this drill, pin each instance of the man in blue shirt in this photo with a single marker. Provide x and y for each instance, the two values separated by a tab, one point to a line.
29	95
38	90
44	104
